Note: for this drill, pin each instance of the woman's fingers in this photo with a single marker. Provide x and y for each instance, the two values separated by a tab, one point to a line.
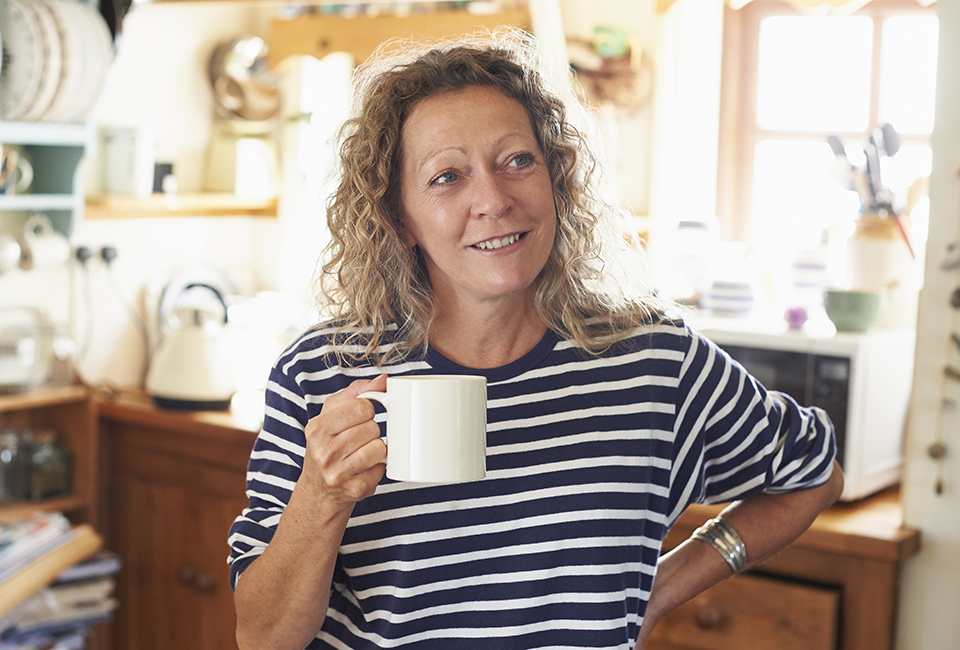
344	450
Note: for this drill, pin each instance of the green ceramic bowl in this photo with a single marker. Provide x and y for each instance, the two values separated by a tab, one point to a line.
852	311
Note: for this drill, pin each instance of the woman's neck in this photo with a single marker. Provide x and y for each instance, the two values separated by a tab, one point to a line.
489	338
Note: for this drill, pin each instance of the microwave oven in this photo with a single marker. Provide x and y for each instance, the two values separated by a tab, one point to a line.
862	381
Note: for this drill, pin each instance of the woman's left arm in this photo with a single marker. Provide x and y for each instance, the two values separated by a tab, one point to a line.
766	523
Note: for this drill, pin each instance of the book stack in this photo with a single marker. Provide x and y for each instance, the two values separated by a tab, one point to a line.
54	583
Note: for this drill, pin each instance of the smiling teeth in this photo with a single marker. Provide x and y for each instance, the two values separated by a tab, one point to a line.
497	243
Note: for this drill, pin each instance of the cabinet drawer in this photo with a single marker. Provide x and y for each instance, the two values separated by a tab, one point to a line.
752	612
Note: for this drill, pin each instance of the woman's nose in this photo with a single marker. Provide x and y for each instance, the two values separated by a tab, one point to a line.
491	196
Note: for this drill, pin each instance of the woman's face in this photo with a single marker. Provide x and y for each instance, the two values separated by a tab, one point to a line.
476	195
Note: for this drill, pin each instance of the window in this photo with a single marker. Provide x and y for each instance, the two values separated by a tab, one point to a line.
790	80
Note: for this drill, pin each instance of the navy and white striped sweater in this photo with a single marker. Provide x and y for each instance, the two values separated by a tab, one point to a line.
590	461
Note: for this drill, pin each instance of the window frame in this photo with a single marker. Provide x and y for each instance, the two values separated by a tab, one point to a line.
739	133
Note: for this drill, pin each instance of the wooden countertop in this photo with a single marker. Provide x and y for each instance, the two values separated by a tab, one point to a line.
245	416
871	528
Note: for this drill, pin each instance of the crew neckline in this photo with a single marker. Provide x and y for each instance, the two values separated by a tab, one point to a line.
531	359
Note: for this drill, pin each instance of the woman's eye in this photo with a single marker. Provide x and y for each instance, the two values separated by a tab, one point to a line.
522	160
445	178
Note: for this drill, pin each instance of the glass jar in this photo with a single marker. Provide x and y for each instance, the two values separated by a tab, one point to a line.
14	460
49	466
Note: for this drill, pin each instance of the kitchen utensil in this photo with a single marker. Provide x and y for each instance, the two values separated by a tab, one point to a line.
887	140
243	85
189	370
873	174
42	245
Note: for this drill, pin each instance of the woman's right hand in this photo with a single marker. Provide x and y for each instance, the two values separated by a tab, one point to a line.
345	456
279	604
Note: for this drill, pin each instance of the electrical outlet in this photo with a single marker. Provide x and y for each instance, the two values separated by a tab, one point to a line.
82	254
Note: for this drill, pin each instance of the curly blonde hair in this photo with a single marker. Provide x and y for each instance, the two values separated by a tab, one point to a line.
592	288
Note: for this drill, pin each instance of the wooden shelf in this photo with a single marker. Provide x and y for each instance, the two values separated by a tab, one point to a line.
70	411
203	204
67	505
43	397
321	34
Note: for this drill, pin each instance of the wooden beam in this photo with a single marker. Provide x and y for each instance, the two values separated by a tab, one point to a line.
318	35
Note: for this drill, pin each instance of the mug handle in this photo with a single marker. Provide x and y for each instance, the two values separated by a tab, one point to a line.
375	396
38	225
23	183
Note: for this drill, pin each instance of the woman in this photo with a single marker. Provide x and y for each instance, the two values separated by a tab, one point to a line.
466	238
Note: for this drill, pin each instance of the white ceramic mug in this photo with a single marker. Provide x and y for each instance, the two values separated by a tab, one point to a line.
16	172
436	427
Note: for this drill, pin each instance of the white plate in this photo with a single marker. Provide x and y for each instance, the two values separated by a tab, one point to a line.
71	74
52	62
24	51
98	51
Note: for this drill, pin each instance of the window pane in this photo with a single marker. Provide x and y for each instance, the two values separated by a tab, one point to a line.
814	73
908	72
795	197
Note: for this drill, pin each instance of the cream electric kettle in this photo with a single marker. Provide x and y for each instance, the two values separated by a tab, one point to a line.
189	371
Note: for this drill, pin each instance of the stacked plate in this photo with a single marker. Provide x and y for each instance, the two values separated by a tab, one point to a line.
55	58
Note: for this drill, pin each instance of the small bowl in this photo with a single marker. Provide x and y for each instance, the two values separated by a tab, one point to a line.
852	311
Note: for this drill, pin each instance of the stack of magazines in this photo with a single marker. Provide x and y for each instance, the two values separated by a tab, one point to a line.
54	583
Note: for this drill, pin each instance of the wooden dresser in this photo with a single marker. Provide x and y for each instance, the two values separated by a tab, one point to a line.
835	587
173	483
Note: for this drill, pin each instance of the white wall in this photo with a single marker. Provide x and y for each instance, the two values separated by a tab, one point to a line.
930	596
158	81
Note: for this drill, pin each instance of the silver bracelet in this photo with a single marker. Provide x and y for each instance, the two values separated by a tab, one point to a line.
719	534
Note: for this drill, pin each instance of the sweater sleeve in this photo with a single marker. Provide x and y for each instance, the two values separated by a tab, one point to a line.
736	439
275	465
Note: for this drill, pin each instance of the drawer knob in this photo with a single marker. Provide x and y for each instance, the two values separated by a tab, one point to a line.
186	575
191	577
709	618
205	583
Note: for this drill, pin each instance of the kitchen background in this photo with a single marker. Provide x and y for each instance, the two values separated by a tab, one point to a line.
665	133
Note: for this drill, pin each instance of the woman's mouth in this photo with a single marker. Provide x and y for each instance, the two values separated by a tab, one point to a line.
492	244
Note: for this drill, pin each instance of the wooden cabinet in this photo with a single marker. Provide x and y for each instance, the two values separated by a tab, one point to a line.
752	611
834	588
173	485
71	412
